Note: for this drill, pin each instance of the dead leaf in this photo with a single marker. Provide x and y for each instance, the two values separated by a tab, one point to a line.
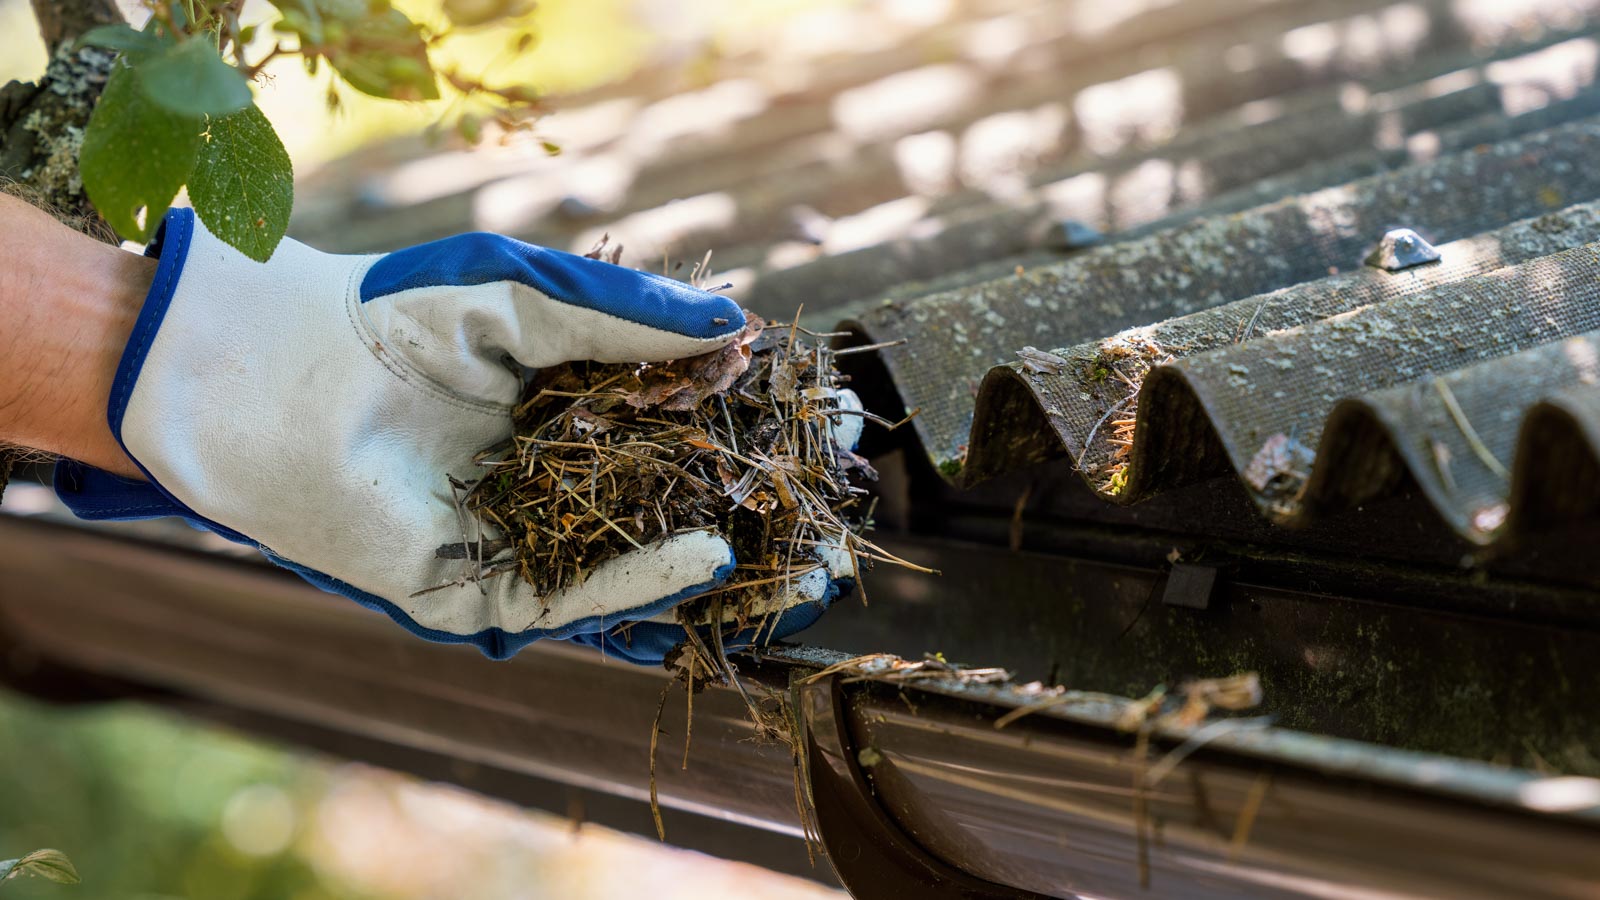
1234	692
1042	361
681	385
1280	468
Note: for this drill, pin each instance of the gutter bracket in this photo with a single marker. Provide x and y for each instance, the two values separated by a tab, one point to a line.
869	852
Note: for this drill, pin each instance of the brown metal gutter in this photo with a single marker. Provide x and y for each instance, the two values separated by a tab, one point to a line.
950	806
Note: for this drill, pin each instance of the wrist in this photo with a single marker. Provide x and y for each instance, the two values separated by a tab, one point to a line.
67	304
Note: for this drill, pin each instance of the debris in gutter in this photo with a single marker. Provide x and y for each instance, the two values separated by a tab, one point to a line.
1232	693
1126	359
891	669
1235	692
1042	362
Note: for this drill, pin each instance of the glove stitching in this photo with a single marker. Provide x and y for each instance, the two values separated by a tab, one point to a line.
398	367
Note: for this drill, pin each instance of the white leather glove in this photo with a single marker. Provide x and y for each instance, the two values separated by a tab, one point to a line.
313	405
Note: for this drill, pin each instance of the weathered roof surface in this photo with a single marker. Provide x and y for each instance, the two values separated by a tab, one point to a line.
1127	241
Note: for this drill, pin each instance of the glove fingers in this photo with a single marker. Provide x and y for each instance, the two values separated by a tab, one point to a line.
833	568
638	584
562	307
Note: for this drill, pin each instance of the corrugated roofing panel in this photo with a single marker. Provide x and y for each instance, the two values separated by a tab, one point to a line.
1103	375
960	334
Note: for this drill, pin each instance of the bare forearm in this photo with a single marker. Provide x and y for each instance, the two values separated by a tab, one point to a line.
67	306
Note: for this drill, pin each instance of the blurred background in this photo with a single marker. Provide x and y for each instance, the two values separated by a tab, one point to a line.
151	806
148	805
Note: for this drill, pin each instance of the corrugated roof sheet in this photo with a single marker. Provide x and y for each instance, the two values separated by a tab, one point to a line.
1128	240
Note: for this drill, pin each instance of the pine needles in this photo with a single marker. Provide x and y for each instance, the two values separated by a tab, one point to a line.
607	458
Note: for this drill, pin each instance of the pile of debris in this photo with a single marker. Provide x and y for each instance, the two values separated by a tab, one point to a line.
752	441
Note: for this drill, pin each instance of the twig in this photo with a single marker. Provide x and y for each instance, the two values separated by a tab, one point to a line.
688	728
1467	431
868	348
1247	816
655	732
1089	441
1253	317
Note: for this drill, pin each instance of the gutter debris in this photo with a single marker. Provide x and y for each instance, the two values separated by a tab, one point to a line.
752	441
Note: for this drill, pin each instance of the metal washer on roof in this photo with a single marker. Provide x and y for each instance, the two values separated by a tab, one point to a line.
1401	249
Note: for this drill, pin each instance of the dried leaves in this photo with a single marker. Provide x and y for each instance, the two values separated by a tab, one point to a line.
682	385
1042	361
609	457
1279	471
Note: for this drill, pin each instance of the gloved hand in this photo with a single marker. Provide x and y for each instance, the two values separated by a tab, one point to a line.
313	405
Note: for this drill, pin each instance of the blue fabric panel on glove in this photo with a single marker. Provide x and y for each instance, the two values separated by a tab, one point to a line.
481	258
648	643
99	496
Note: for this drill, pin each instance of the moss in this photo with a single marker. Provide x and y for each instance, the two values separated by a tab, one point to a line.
1118	482
52	126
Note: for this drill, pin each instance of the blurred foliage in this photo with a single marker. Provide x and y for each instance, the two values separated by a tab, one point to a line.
137	801
151	806
577	45
178	108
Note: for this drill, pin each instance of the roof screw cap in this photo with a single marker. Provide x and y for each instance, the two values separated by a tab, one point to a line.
1401	249
1071	234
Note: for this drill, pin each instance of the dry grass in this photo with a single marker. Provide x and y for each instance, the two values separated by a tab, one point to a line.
607	458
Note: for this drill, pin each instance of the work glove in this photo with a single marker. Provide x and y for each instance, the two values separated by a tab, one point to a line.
314	405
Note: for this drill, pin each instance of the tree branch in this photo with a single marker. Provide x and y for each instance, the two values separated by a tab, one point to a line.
63	22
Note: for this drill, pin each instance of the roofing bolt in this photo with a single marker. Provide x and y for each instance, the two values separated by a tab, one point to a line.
1401	249
1071	234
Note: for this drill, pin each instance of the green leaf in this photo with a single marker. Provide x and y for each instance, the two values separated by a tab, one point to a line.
135	155
51	865
243	184
386	57
372	45
125	39
302	17
190	78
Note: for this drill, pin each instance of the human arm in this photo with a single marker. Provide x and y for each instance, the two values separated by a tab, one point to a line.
67	305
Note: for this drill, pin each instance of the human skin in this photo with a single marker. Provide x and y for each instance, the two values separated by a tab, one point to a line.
67	306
